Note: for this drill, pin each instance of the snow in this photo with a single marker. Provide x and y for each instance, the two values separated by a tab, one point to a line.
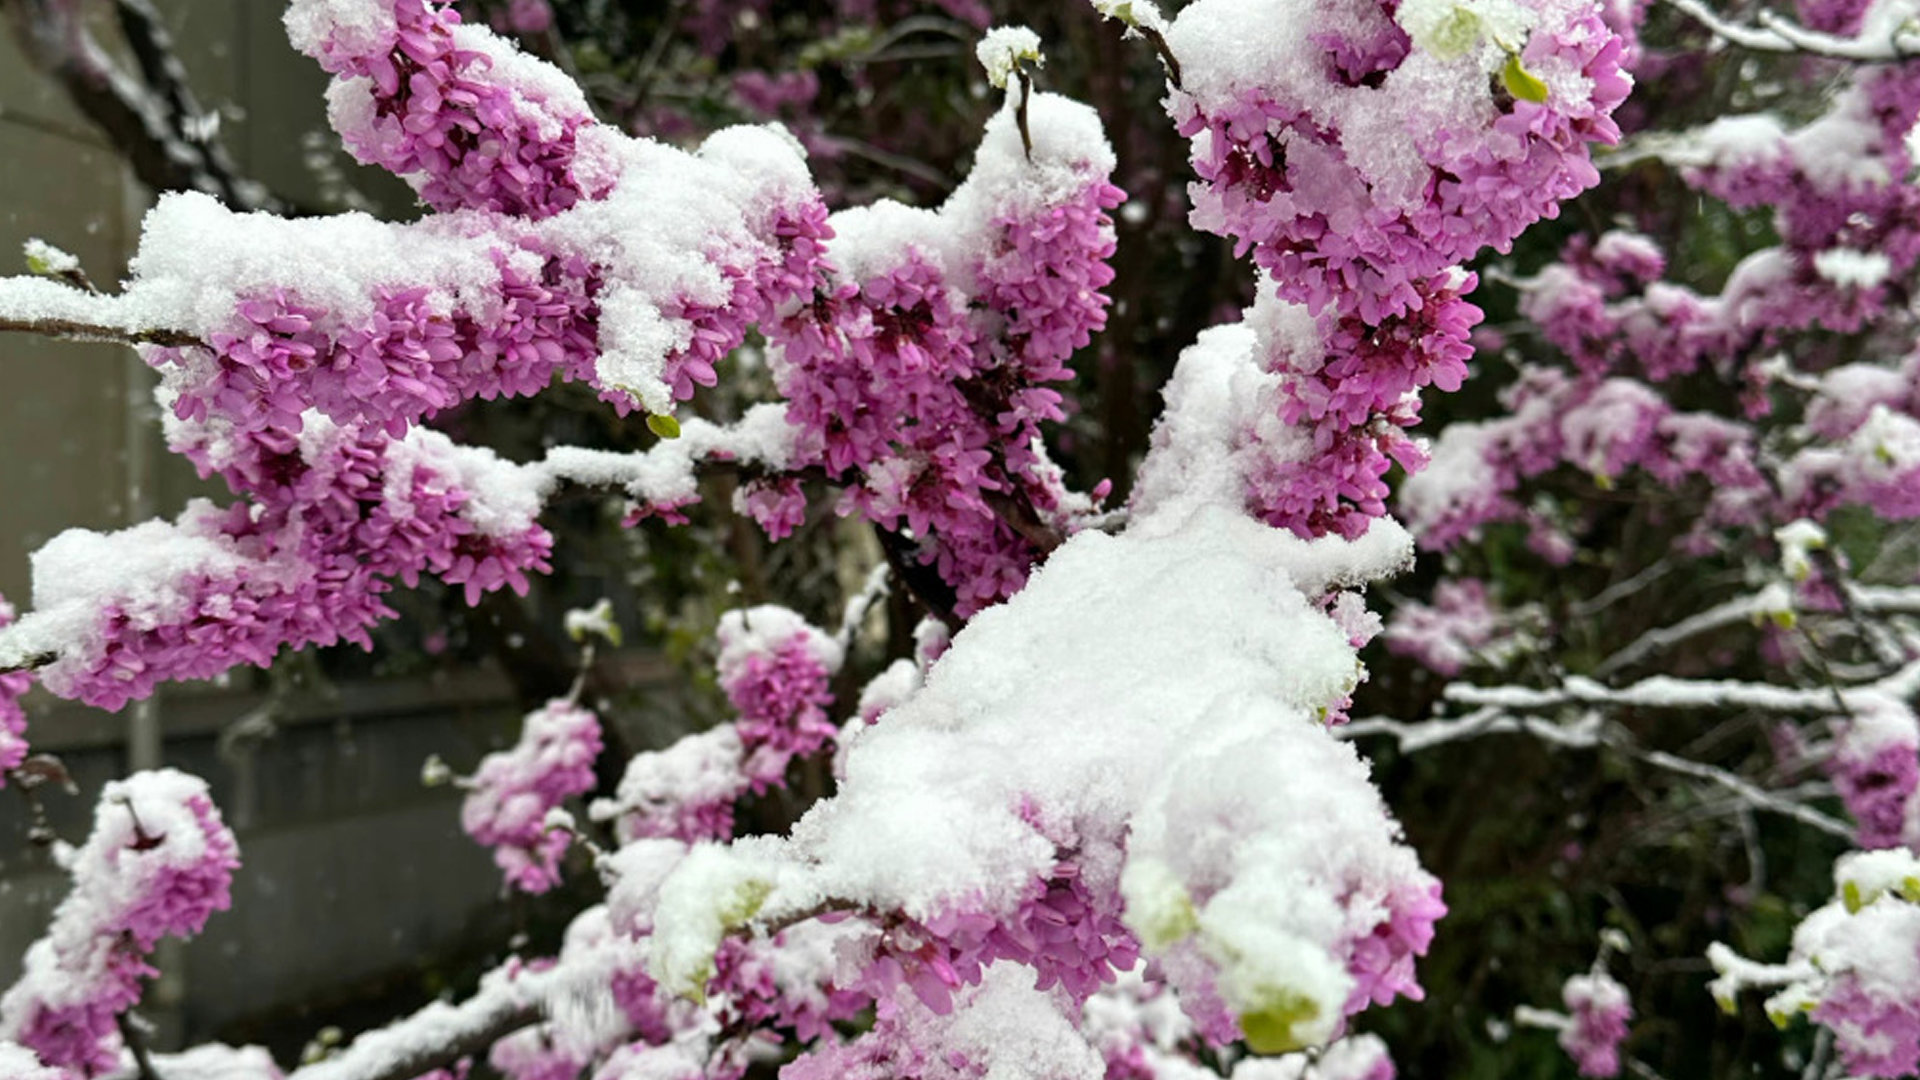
1137	14
762	630
698	770
1356	1057
655	237
44	258
503	994
143	570
634	874
1847	267
1739	143
19	1063
1168	680
1004	49
1798	540
358	24
665	472
1017	1031
209	1061
1868	875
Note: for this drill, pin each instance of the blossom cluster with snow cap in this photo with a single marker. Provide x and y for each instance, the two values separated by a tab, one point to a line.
1852	968
922	368
515	790
158	863
13	719
1359	158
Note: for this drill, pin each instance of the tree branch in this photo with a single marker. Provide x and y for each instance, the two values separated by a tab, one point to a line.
1782	35
436	1036
152	120
74	330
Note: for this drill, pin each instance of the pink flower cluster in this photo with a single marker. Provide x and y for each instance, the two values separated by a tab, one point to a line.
922	385
1367	250
1861	446
1382	960
334	519
776	671
13	719
513	790
425	103
1601	1011
1877	1025
1069	932
1876	767
1355	393
686	791
1602	427
753	978
417	353
560	1047
1281	182
158	863
476	126
1450	633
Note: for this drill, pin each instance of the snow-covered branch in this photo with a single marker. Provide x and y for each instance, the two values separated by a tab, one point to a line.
439	1034
1587	730
1779	34
1662	692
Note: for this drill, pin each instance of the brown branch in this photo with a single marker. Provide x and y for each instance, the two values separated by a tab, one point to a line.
150	117
1159	43
70	330
921	580
132	1034
1020	110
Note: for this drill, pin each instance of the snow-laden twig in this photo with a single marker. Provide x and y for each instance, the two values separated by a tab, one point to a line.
1662	692
859	604
1413	737
1778	34
150	116
1731	613
1862	599
1754	795
437	1035
71	330
1588	731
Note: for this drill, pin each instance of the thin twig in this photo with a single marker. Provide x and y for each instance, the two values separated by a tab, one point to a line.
133	1034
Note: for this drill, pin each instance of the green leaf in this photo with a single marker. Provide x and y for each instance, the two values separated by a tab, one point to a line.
1524	85
1454	35
744	902
664	426
1271	1028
